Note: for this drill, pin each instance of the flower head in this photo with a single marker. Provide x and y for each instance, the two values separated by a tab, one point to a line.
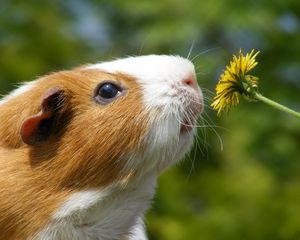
235	81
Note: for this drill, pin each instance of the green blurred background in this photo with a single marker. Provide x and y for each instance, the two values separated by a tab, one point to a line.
251	189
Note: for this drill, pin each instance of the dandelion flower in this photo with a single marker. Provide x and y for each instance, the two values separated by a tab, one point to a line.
235	81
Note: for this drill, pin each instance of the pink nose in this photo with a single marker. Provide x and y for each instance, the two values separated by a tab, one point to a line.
190	81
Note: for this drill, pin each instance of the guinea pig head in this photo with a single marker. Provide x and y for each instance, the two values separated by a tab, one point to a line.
111	121
170	103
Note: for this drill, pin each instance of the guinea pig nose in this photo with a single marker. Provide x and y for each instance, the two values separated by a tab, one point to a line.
190	82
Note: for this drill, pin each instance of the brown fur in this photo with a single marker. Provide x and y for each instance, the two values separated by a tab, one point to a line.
86	151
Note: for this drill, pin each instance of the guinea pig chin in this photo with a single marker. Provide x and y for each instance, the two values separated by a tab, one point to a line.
173	128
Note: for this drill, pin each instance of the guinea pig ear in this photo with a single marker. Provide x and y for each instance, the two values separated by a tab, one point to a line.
38	128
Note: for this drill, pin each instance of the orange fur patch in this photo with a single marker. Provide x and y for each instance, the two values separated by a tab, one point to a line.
89	150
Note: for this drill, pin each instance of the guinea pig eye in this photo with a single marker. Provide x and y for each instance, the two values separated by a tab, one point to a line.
107	92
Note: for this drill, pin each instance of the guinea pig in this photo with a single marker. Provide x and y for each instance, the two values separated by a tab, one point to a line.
80	150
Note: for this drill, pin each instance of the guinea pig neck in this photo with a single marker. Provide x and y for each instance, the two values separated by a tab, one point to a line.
50	199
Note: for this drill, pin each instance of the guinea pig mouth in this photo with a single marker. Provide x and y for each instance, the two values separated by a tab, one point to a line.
187	126
189	123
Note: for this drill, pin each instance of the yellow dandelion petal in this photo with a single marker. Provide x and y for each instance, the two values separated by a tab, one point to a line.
234	81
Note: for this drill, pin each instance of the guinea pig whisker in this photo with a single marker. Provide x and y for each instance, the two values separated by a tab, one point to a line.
141	48
178	118
207	124
204	52
208	94
164	131
191	49
192	156
202	141
195	149
213	128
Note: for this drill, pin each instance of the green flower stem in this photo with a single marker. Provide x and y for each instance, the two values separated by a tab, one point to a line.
260	97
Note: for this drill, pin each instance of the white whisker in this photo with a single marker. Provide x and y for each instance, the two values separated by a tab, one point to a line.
191	49
204	52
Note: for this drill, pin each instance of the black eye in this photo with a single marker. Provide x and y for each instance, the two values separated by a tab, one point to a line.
107	92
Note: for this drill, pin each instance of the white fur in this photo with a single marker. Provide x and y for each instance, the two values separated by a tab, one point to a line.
24	88
79	202
137	232
109	214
